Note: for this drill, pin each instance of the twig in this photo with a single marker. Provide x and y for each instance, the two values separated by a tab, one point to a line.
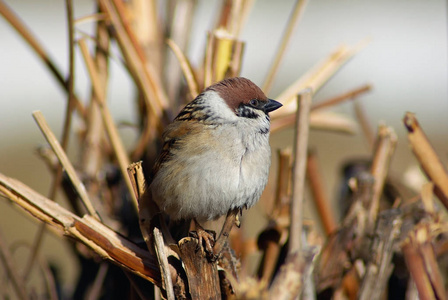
135	173
114	137
346	244
163	261
269	243
318	191
427	198
95	235
186	68
427	157
234	17
422	264
179	33
71	75
91	154
350	95
8	265
155	98
142	23
299	170
316	77
37	242
289	281
208	59
243	15
380	265
282	193
49	279
26	34
65	162
65	134
95	290
384	149
271	239
237	59
224	19
294	18
322	120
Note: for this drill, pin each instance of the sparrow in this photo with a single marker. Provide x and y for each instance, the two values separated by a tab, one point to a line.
215	156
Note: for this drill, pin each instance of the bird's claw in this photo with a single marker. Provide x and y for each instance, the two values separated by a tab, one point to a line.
206	240
237	220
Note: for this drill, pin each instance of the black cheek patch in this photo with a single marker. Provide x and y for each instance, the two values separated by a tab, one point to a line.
246	112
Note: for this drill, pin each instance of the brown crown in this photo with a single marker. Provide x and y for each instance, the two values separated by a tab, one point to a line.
237	90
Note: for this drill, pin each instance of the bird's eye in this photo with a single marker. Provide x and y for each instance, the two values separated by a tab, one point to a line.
254	102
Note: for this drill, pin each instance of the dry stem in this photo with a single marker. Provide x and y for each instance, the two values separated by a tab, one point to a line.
296	14
319	195
299	170
289	281
163	261
316	77
385	147
350	95
8	265
65	162
323	120
186	68
421	261
99	238
114	137
427	157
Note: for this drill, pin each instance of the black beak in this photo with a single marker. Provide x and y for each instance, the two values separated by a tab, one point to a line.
272	105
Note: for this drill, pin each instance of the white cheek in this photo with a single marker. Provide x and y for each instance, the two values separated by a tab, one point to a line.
214	103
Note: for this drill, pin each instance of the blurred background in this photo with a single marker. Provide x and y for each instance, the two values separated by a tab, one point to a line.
405	62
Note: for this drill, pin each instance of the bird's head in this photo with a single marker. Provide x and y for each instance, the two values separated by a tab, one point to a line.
244	97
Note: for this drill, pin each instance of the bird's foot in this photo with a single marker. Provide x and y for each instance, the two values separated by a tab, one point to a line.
206	239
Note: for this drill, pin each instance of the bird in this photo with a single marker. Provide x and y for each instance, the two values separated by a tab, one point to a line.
215	156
